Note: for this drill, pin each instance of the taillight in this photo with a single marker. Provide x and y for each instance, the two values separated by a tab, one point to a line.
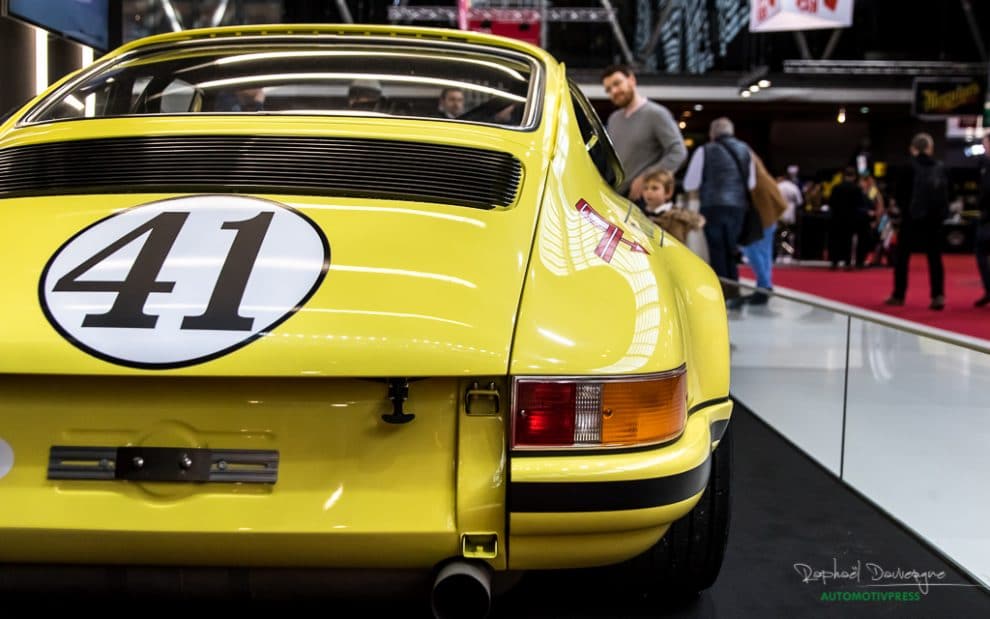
627	411
547	417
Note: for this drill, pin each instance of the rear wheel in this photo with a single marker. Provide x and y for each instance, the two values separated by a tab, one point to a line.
688	558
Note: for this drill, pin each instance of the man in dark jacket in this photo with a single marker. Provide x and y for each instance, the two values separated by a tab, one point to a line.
922	214
723	173
983	227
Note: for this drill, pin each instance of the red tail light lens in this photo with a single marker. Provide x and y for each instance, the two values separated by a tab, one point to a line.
545	413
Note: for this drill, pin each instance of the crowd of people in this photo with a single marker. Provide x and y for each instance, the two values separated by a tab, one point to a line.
743	211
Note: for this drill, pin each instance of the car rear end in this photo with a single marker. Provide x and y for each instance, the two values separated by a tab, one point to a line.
330	334
265	339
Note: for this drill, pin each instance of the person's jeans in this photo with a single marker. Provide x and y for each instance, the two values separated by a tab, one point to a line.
760	257
722	227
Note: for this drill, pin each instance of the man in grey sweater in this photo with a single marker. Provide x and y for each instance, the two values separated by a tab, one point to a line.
644	133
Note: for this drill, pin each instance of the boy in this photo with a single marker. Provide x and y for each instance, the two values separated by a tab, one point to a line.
658	189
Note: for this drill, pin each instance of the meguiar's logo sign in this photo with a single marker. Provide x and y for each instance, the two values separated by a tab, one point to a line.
948	97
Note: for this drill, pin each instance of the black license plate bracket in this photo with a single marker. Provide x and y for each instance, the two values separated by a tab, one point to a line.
162	464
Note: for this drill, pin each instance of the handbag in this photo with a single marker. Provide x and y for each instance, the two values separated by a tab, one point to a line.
767	198
752	228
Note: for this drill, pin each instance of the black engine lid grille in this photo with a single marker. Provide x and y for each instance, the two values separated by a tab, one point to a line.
350	167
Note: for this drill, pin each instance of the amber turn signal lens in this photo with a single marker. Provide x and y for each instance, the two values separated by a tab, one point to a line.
645	411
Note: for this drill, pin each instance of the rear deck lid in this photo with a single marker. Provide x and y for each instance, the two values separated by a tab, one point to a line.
259	285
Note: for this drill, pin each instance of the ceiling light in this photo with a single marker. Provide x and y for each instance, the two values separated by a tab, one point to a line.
754	88
745	94
698	107
682	124
842	115
763	83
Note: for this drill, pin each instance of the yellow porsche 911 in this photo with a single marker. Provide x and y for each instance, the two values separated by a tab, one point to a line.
348	299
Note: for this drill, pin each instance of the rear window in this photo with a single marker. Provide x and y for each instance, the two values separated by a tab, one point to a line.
466	84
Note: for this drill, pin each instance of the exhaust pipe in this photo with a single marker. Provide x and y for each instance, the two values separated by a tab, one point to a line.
462	589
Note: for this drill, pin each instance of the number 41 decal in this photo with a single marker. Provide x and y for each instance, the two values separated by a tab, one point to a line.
132	292
200	277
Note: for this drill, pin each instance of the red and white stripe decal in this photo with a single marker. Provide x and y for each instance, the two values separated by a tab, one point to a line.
613	235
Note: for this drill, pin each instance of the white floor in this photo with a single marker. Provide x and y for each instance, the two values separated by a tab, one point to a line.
917	414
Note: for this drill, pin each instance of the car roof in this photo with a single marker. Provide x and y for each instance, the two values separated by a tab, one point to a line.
371	31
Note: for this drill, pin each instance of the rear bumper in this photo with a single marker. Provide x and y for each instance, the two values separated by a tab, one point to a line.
586	509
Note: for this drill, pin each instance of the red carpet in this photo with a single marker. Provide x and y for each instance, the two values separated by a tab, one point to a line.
867	288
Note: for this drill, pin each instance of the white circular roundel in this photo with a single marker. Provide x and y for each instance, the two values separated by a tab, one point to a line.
182	281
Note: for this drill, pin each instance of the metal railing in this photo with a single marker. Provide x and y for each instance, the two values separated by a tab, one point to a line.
941	335
885	67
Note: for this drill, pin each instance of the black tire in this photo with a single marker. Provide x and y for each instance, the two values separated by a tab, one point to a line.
688	558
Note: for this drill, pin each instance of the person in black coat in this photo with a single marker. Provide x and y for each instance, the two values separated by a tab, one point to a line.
983	227
923	211
846	206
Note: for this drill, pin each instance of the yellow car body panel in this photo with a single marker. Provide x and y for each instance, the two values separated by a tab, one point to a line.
329	507
636	325
567	280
